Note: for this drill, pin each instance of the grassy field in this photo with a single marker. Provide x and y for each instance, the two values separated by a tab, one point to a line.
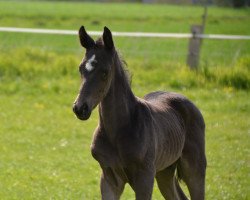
155	18
44	149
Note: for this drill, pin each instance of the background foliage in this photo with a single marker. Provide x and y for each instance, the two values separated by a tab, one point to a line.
44	149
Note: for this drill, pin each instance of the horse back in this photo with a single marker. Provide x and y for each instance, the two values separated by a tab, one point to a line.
184	108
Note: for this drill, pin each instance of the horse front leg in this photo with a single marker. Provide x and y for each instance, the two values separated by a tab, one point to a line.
112	184
142	182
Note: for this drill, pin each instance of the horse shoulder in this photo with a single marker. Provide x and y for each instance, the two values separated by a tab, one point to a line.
102	149
135	140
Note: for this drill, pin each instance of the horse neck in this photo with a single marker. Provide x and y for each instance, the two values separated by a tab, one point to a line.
118	105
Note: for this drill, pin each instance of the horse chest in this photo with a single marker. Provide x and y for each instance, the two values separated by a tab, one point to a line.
104	152
125	152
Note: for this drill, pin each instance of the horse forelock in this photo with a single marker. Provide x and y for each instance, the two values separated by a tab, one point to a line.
99	42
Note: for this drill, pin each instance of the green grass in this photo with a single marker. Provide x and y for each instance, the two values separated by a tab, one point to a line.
155	18
45	150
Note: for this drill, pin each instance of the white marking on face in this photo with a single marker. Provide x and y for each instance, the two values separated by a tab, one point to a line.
89	67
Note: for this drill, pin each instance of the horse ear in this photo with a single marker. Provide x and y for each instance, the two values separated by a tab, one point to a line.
85	40
107	39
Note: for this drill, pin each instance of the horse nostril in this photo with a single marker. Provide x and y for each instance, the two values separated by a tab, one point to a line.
82	111
78	110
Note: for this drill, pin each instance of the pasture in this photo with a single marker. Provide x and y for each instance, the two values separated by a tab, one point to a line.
45	150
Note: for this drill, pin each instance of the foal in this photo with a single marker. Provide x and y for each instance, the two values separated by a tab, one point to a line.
137	139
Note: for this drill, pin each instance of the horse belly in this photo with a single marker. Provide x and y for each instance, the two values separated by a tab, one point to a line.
169	149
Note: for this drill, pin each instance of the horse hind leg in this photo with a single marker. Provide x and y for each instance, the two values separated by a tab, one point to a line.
191	168
168	184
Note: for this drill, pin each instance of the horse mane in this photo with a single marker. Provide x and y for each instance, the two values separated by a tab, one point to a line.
123	66
118	61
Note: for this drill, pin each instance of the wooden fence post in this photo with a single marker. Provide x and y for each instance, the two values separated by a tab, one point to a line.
194	47
195	42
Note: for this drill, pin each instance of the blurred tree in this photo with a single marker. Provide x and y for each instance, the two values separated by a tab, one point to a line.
234	3
239	3
223	2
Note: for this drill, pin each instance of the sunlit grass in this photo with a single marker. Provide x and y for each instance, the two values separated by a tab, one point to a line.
45	149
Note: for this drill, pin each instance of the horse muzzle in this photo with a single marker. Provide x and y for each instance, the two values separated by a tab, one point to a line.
82	112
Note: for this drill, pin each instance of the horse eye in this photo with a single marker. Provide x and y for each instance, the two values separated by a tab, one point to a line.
104	75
